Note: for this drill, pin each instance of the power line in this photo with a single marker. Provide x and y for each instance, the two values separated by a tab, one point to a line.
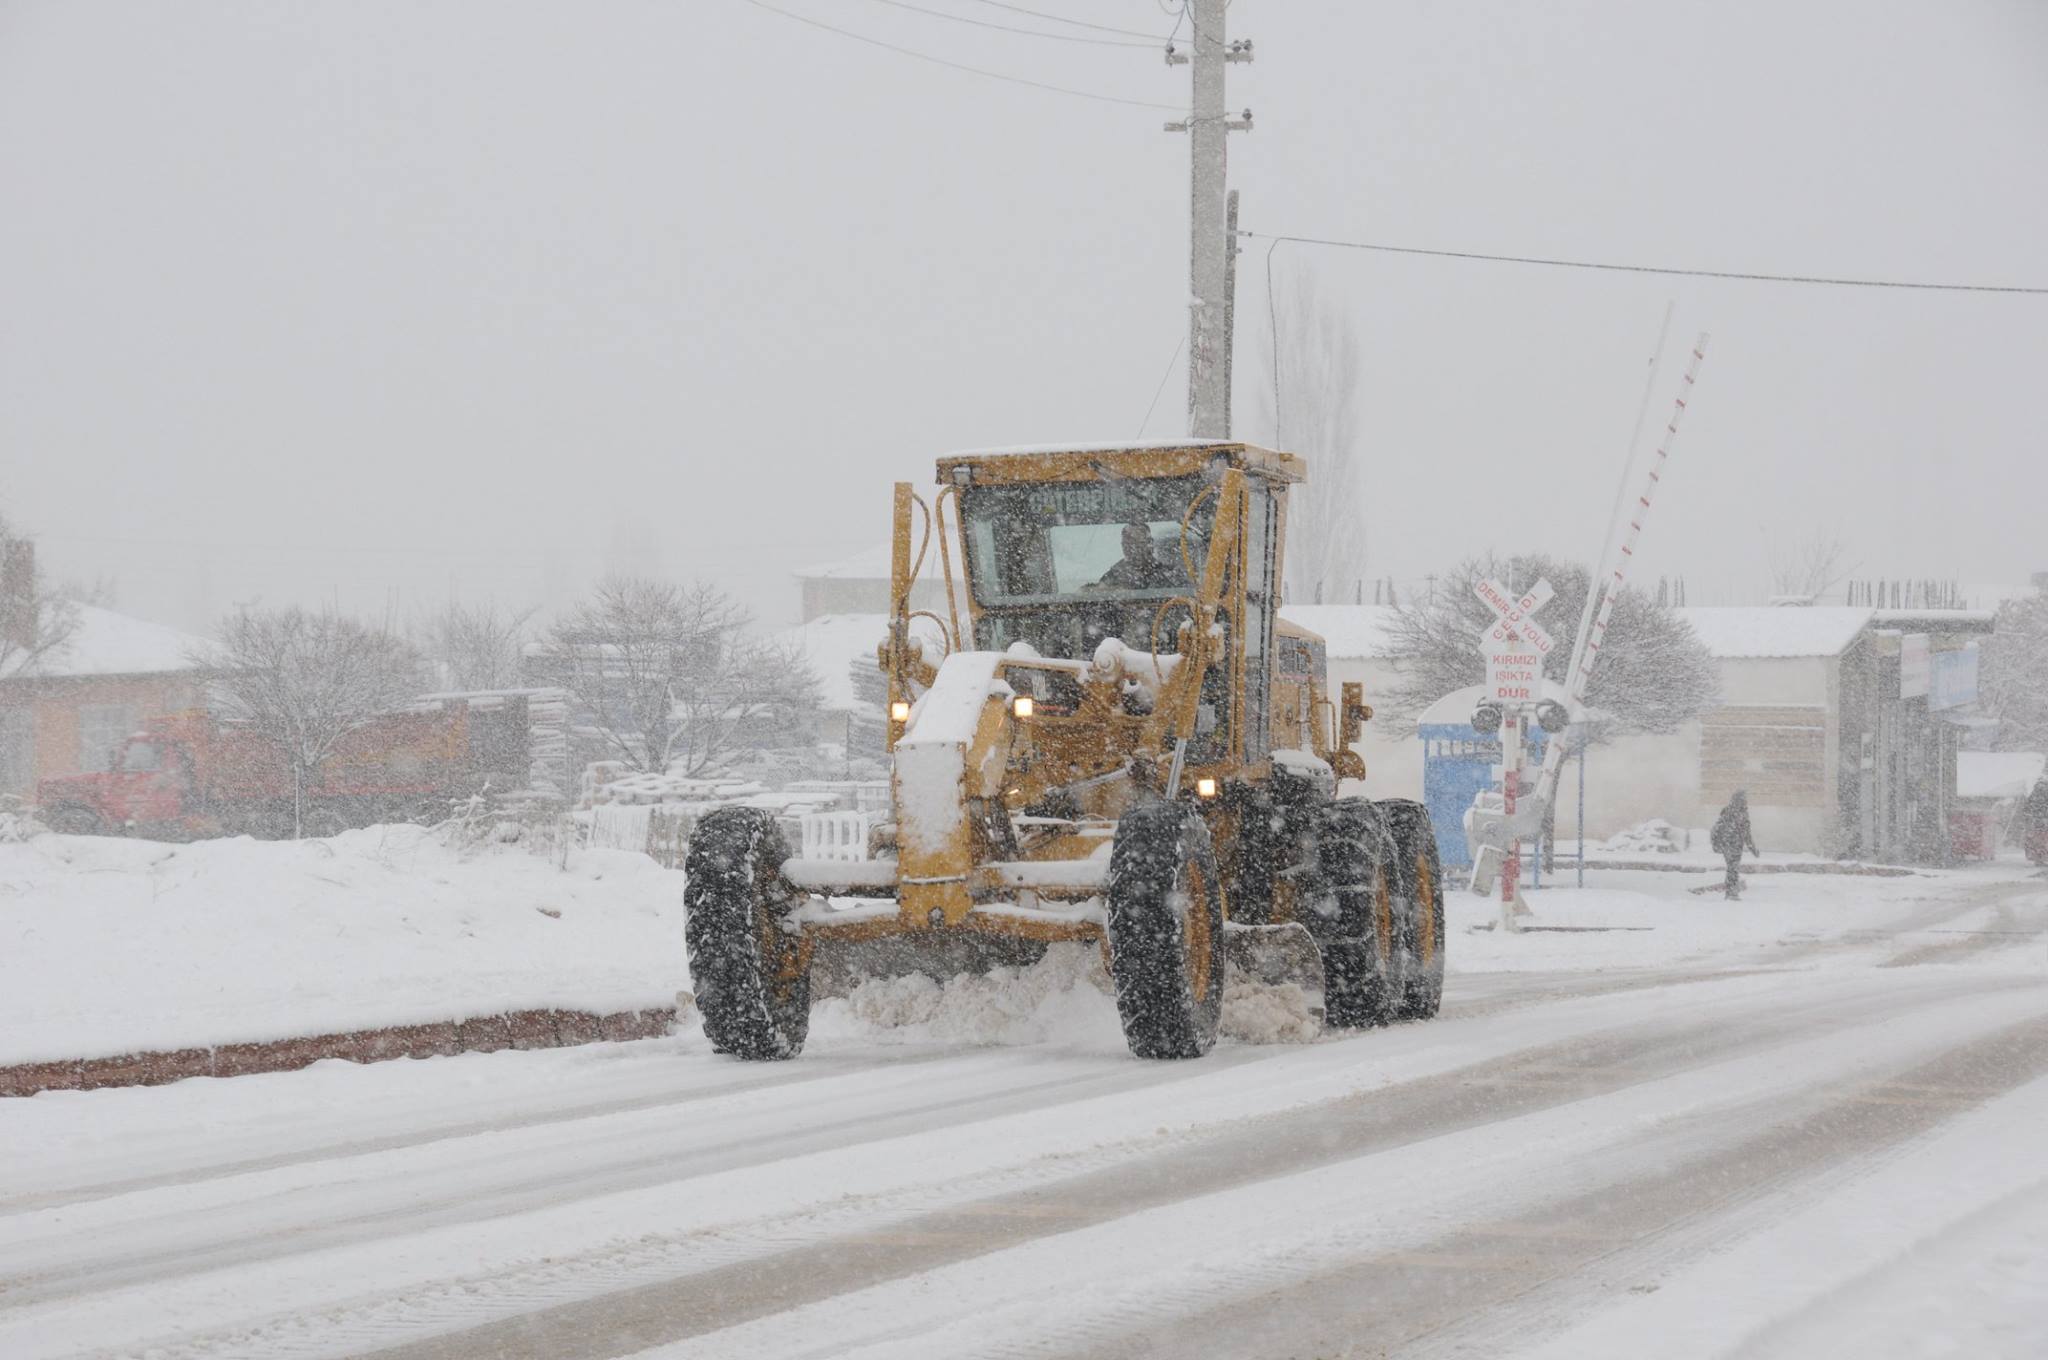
1160	390
957	66
1027	32
1063	19
1819	279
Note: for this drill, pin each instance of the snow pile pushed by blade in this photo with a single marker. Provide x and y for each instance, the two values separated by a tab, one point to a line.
1065	997
1257	1012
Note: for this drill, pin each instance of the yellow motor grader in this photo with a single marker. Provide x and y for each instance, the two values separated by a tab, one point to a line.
1120	743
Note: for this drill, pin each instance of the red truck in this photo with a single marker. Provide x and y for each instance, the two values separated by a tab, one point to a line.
189	775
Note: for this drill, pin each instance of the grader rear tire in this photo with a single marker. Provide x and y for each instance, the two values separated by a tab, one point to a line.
1419	908
1361	987
753	996
1165	928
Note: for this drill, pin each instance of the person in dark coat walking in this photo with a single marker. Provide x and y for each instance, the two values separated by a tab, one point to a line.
2033	823
1731	835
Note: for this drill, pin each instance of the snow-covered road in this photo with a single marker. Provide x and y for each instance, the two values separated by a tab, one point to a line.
1789	1132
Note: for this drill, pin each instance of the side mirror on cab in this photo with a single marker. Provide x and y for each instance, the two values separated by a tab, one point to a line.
1356	712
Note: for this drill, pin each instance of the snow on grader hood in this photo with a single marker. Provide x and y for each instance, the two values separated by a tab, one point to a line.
1109	737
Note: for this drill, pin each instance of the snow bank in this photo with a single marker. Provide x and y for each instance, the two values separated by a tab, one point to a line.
110	946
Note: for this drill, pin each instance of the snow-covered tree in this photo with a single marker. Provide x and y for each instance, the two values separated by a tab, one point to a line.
1806	564
477	646
1653	672
1309	392
306	680
670	678
36	621
2014	660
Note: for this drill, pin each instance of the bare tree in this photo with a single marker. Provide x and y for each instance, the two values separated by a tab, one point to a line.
478	646
1653	673
306	680
1311	401
37	622
669	677
2015	658
1806	565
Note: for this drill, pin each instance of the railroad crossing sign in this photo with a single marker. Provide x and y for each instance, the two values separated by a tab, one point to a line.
1515	644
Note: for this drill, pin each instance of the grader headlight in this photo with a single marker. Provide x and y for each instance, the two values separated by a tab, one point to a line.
1205	787
1022	706
899	711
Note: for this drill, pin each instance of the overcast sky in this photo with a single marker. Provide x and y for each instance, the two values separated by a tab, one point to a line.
373	302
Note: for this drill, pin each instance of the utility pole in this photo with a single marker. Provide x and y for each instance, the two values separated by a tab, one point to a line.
1210	239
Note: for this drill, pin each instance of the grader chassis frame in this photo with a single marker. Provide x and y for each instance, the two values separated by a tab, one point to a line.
1159	779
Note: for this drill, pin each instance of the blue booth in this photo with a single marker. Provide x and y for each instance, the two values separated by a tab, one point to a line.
1457	764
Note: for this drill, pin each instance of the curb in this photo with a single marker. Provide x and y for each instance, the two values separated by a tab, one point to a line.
1849	868
480	1034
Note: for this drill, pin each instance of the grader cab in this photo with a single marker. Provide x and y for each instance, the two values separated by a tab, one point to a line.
1109	737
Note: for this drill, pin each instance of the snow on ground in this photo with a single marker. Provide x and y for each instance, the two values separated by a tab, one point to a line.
111	946
1894	1263
1644	918
1766	1127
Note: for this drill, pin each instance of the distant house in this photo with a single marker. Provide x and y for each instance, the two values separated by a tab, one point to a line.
860	585
67	712
1842	724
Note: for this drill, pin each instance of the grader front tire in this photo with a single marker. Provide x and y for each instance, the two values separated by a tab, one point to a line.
753	995
1165	927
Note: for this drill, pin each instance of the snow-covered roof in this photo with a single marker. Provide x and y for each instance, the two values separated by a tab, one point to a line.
107	643
1784	631
1998	774
1352	631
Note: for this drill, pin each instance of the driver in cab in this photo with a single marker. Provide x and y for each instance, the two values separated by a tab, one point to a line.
1142	567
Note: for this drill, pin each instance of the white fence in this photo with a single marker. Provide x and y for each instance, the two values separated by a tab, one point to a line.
835	835
620	826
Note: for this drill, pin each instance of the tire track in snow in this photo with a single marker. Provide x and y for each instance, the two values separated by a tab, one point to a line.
2013	924
1242	1275
743	1080
1495	1288
1239	1154
531	1180
1516	993
454	1303
534	1181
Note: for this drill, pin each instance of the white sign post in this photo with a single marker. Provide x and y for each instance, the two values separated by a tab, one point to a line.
1515	645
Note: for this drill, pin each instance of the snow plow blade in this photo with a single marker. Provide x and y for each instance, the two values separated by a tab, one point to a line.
1273	955
839	966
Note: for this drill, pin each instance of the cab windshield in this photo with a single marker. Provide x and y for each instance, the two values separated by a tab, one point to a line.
1062	565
